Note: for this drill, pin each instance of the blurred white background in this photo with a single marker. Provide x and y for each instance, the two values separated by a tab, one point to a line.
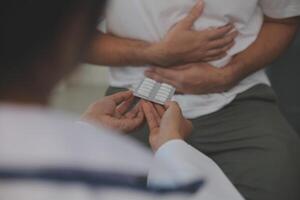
82	88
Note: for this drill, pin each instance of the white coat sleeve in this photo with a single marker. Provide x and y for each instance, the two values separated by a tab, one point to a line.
177	163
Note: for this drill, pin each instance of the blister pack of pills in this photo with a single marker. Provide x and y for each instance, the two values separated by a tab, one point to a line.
154	91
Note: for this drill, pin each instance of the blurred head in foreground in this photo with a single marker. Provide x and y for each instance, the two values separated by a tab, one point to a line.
42	41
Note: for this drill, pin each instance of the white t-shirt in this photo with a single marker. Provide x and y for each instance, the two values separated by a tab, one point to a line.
46	155
150	20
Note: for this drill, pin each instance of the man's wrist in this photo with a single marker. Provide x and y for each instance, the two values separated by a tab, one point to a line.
161	54
156	54
231	75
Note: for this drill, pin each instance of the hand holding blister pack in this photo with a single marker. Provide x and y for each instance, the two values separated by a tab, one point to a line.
154	91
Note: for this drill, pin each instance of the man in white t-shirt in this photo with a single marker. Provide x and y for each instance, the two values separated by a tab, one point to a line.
214	53
45	154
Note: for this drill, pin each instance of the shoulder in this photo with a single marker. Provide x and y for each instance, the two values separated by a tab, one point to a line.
43	137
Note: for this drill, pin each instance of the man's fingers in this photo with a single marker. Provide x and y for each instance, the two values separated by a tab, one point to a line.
181	67
166	73
221	52
155	76
121	96
213	58
217	33
194	14
216	52
150	115
223	42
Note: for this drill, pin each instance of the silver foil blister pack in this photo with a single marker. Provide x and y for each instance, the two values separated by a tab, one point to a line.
154	91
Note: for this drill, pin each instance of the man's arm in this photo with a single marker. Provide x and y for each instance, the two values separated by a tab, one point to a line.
202	78
273	40
181	45
109	50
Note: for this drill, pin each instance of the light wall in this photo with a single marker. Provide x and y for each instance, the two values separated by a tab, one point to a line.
85	86
90	75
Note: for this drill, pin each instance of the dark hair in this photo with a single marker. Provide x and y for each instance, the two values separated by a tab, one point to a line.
28	27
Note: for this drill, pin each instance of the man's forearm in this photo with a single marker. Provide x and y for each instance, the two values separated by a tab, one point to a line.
181	45
109	50
273	40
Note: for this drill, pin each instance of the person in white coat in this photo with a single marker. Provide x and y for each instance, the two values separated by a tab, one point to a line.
45	154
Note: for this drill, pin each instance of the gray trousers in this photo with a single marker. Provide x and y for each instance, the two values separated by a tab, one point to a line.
251	142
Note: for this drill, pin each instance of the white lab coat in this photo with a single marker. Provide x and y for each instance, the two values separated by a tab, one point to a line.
45	155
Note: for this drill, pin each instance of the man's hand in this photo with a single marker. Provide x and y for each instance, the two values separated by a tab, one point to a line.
181	45
113	112
165	123
198	78
203	79
184	45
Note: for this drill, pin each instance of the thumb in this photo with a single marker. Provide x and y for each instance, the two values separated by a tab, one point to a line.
192	17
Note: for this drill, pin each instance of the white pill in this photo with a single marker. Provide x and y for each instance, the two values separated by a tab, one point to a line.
160	99
145	93
163	93
164	85
146	87
165	90
148	80
148	83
